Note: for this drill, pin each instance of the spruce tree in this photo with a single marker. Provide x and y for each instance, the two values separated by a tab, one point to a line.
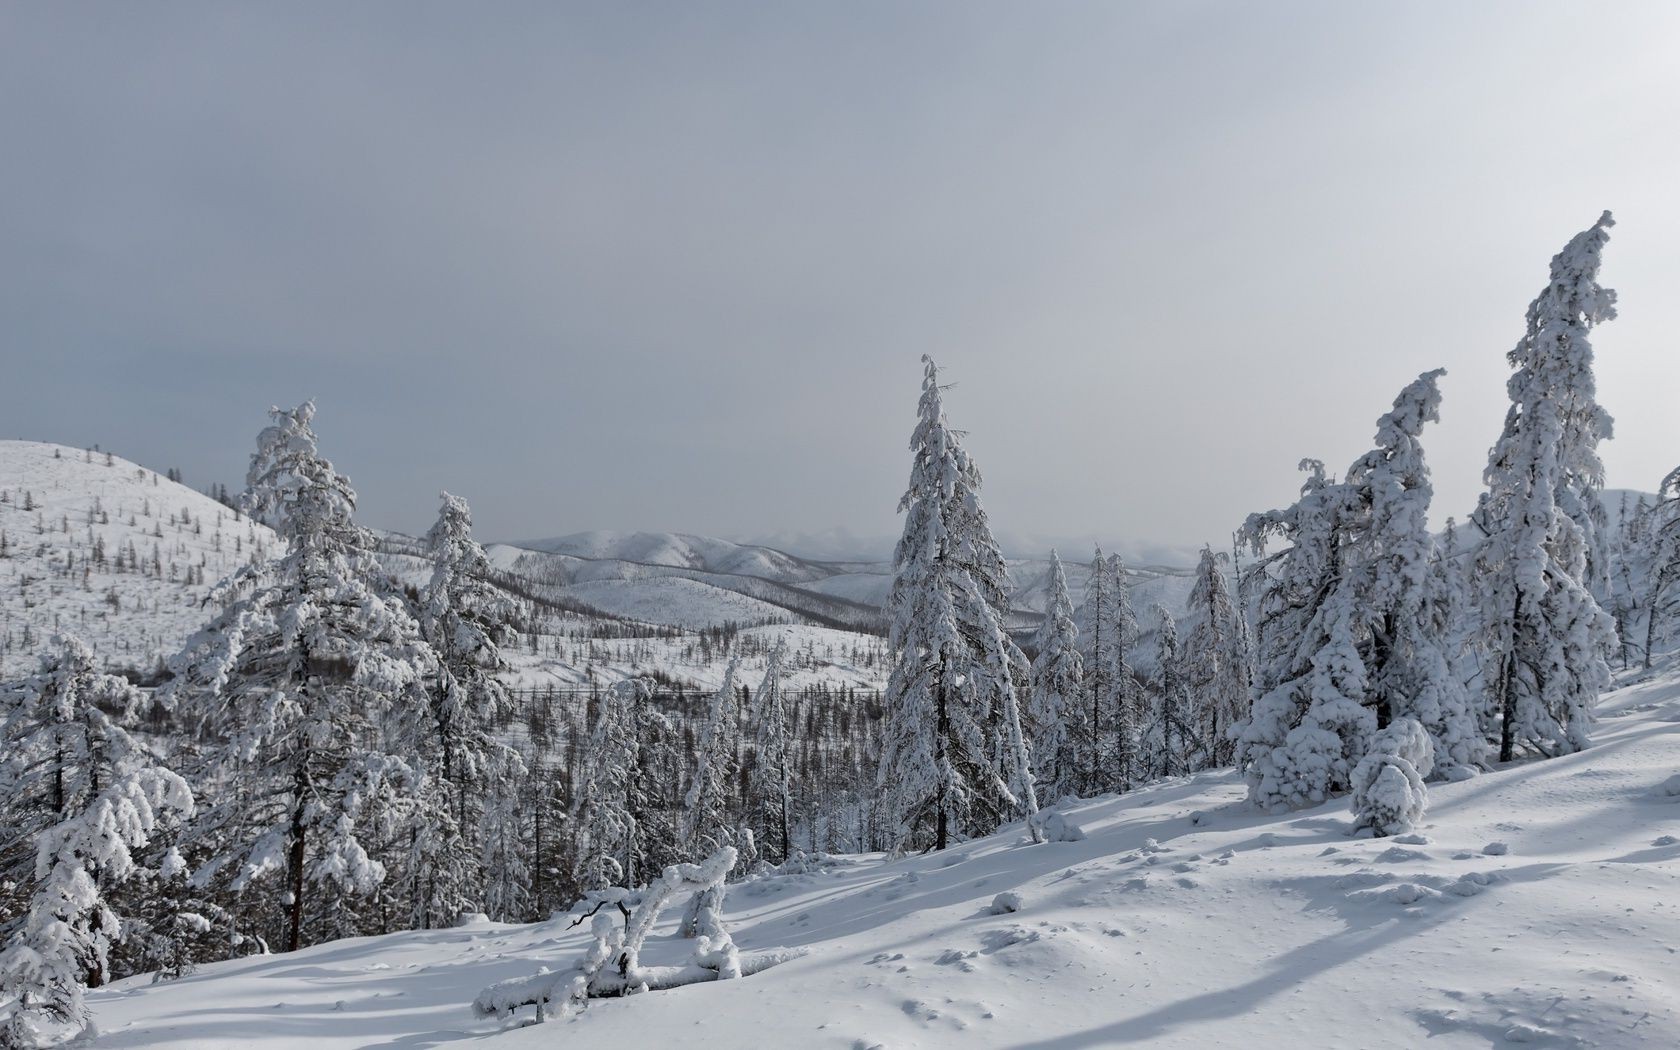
951	694
771	788
1543	635
1664	561
473	776
296	690
1056	705
1215	659
82	799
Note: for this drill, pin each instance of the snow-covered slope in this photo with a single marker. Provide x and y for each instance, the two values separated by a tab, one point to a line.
675	601
1540	906
69	517
681	549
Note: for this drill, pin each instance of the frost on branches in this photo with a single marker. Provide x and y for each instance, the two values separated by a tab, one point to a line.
611	966
470	814
1216	660
610	791
1543	635
304	692
1058	686
771	786
953	756
706	823
1105	727
1309	724
1664	600
1388	793
1352	632
81	797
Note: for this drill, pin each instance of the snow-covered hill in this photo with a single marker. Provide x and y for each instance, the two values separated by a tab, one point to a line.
1540	905
110	550
684	551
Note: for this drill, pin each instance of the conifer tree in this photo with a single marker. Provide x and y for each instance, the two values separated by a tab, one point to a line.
951	695
294	689
1097	632
1215	659
1056	707
81	798
1171	744
473	776
1543	635
606	806
772	779
707	811
1406	654
1664	560
1309	724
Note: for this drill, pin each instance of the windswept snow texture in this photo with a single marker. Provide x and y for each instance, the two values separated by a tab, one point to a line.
78	504
1231	928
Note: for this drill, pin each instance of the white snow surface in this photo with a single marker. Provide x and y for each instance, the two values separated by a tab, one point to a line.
156	615
1183	919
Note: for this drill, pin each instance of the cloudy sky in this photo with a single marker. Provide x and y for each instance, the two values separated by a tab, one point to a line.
673	266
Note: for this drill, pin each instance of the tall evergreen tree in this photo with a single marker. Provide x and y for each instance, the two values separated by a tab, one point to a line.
708	812
952	688
1543	634
1171	744
773	772
294	688
473	776
1351	635
605	808
79	798
1056	714
1407	652
1215	659
1664	562
1309	725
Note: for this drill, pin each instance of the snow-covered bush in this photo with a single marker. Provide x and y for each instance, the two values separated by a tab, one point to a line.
1389	796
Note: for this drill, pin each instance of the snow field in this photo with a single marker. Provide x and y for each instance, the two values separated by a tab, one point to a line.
1183	919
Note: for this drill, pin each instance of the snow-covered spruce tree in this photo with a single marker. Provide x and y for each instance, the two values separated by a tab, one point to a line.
1215	660
1097	634
952	688
1110	716
1124	757
1388	794
771	787
1543	636
475	776
1170	742
1663	603
604	808
708	812
1352	635
1056	711
1406	634
1309	725
293	690
80	798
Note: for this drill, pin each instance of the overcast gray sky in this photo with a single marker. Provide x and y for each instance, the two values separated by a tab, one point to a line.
672	266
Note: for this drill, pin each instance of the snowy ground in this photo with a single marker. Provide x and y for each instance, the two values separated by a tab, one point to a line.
130	617
1539	906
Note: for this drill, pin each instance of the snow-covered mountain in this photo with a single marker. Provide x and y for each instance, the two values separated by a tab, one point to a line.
1536	906
110	550
682	551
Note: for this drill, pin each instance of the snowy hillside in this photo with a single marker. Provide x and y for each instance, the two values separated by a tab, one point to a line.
110	550
684	551
1537	907
620	573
